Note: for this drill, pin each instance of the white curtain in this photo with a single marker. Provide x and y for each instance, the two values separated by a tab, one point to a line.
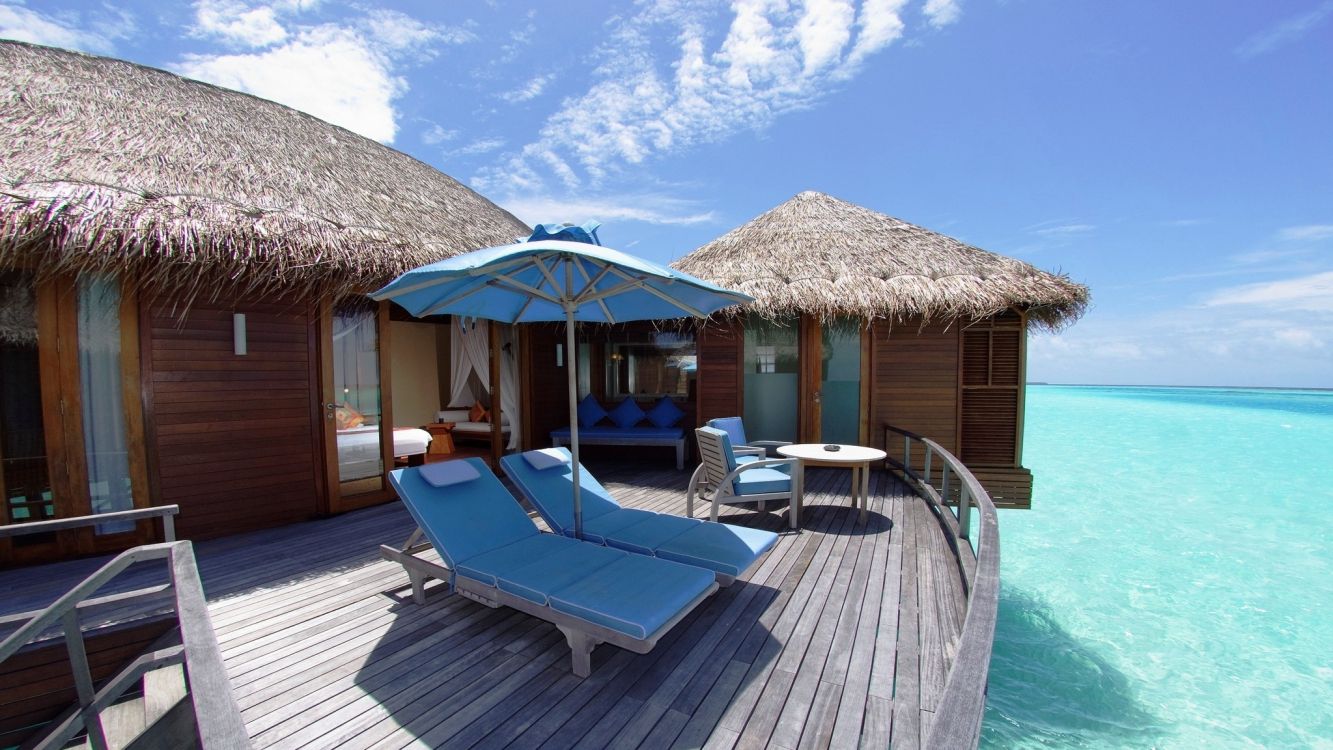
509	385
469	352
104	439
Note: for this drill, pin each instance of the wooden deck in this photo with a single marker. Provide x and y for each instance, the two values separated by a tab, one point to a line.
841	636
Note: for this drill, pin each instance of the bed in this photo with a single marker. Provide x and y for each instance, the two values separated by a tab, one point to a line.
359	449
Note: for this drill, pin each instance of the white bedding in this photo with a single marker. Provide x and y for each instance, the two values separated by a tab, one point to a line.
359	449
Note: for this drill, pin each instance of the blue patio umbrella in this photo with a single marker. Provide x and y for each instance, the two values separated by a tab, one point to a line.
560	273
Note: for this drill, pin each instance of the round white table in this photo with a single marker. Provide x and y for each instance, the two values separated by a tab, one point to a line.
854	457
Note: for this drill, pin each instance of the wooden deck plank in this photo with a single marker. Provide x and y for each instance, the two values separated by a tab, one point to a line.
839	637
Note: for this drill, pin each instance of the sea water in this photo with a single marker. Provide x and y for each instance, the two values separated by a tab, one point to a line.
1172	585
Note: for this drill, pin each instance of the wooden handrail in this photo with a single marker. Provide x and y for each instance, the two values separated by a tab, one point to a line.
959	713
217	715
165	512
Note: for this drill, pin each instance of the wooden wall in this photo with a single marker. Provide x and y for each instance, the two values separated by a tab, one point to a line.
545	386
721	382
914	375
233	438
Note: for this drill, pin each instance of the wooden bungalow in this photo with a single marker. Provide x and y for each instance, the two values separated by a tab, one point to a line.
862	320
180	323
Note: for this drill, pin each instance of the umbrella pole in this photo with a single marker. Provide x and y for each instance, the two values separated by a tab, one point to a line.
571	367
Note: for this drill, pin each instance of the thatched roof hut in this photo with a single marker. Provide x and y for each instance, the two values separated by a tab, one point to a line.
821	256
190	188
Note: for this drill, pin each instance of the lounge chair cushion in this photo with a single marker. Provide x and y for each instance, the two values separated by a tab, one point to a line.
488	566
463	520
552	491
546	458
646	536
665	413
720	547
635	595
538	578
761	481
627	413
448	473
590	412
610	524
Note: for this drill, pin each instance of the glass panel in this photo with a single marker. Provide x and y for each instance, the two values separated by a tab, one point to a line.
104	438
356	385
772	367
840	393
24	478
664	366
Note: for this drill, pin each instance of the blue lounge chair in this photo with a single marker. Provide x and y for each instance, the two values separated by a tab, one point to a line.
494	554
723	478
725	549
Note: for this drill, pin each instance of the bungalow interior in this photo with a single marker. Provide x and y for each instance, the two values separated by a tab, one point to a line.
152	407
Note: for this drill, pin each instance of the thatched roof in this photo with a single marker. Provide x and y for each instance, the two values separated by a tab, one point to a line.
110	166
822	256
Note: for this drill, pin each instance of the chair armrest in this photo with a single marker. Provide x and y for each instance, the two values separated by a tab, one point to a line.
768	443
748	450
764	464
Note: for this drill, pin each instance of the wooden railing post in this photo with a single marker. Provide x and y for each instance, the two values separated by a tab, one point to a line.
944	482
907	452
929	455
83	678
964	512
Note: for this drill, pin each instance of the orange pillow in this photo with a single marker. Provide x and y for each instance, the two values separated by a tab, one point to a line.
345	417
478	413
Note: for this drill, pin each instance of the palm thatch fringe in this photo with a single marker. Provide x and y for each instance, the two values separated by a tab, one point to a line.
818	255
193	190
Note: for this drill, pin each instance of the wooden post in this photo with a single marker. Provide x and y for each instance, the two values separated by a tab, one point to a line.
497	435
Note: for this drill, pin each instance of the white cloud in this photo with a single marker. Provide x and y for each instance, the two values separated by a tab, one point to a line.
528	91
1312	293
1298	338
1284	32
327	71
95	33
437	134
344	73
1307	233
1064	229
650	209
774	58
485	145
941	13
233	22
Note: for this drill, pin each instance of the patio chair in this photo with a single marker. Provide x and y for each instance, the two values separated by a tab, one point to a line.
723	479
494	554
545	478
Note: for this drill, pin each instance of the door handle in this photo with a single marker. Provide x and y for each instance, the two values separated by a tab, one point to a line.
817	396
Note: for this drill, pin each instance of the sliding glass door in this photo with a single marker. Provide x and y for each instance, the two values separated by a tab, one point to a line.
357	425
772	379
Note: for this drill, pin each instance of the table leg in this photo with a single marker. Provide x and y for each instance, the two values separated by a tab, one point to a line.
800	494
865	491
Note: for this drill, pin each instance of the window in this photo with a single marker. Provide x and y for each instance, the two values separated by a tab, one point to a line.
663	365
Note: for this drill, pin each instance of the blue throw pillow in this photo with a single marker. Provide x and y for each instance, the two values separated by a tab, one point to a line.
665	413
590	412
627	413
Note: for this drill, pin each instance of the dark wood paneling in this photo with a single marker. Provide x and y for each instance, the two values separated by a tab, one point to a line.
233	437
721	382
915	381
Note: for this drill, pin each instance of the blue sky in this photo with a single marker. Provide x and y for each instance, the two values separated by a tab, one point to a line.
1176	156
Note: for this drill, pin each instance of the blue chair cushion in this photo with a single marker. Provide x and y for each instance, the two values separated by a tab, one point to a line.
551	491
448	473
733	426
464	520
635	595
553	572
665	413
646	536
719	546
488	566
590	412
742	460
627	413
761	481
610	524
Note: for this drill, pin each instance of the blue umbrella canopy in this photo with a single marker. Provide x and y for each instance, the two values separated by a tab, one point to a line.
537	281
559	273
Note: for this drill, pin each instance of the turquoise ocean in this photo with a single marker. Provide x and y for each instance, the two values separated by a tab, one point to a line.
1173	585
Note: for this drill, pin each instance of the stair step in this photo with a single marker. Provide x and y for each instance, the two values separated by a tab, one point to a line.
162	689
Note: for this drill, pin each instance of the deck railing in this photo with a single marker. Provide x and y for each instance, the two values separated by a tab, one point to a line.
959	713
213	712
